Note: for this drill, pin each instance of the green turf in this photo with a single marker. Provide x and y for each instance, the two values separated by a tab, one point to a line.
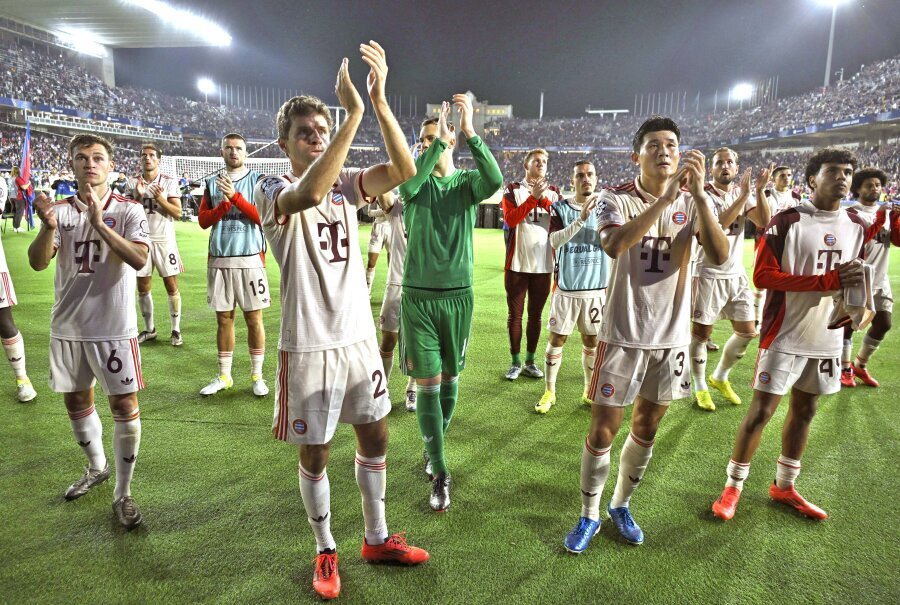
223	520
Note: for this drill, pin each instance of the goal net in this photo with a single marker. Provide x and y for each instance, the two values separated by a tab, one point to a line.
199	169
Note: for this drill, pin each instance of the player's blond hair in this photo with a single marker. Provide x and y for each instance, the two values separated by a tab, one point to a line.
535	151
304	105
726	150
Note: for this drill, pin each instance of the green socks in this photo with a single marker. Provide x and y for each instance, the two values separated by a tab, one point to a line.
431	424
449	394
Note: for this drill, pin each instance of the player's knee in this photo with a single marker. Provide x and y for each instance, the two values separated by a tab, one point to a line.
757	418
748	335
881	324
8	327
123	405
314	458
224	318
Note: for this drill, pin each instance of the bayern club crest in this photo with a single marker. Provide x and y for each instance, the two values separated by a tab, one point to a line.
337	198
607	390
830	239
679	218
552	321
109	221
299	426
765	378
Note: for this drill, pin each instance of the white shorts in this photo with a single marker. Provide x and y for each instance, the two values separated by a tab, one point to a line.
777	372
389	320
567	311
316	390
75	365
623	373
165	258
227	288
884	301
728	298
7	292
381	233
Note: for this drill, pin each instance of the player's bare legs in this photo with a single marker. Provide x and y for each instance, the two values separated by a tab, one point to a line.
553	362
878	329
171	284
734	350
225	347
256	341
14	347
762	407
388	344
795	434
145	302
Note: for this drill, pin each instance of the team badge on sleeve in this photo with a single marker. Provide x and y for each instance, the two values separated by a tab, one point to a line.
271	186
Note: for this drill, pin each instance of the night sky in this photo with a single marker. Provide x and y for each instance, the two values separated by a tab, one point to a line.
580	53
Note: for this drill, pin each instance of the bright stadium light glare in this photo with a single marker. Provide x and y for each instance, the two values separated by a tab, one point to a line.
82	42
210	32
206	86
742	92
832	3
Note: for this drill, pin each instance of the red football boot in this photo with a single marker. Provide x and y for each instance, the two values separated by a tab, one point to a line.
394	550
847	378
790	497
863	374
326	581
725	505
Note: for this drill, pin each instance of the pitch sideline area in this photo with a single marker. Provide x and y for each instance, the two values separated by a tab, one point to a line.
224	521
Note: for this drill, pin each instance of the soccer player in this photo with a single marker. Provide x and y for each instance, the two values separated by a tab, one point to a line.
161	198
236	272
11	338
807	253
866	187
648	227
723	290
328	364
781	197
379	238
582	272
389	318
100	240
437	300
529	258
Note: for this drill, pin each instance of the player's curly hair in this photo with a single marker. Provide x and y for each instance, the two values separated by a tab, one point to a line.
87	140
304	105
828	155
863	174
654	124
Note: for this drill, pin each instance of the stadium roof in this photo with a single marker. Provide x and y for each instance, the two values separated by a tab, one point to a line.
113	23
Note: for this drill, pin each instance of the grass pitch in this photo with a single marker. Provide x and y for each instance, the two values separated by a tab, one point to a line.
224	523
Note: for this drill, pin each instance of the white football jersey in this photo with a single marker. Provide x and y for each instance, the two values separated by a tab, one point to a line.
162	226
878	249
781	200
397	247
800	252
324	297
4	268
648	298
529	248
734	265
94	287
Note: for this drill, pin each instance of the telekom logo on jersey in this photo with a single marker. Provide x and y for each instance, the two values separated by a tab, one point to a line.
333	238
658	250
83	256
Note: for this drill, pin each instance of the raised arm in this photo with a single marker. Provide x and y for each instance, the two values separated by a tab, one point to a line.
730	214
42	248
318	179
131	253
400	166
616	239
559	235
489	178
712	238
427	161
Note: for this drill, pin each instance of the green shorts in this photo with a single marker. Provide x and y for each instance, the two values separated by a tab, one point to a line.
434	331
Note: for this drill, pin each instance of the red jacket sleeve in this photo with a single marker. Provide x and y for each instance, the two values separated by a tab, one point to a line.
207	217
876	226
512	214
895	227
767	274
246	207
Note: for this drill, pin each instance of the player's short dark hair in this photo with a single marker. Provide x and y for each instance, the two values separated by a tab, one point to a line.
153	146
535	151
779	169
726	150
861	175
581	163
654	124
827	155
234	135
304	105
428	121
88	140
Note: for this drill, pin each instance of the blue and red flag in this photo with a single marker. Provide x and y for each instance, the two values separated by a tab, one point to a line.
24	179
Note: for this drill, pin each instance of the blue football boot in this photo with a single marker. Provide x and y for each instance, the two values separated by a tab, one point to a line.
578	539
625	523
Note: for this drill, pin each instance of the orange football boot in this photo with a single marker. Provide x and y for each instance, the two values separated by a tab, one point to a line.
790	497
326	580
725	505
394	550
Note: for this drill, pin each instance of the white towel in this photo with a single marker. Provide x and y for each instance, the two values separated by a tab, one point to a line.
854	306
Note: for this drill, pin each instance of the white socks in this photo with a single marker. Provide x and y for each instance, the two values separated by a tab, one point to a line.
371	477
594	471
370	277
869	346
126	441
89	434
636	454
759	304
174	311
257	356
15	352
225	359
786	472
737	473
698	363
145	302
846	353
552	361
588	356
316	493
733	351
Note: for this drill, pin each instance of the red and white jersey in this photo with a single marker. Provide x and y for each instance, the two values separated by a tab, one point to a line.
878	248
649	297
397	243
782	200
796	263
324	297
528	249
94	287
734	264
162	226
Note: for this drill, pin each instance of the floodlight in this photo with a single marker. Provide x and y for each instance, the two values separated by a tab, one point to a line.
206	86
181	19
742	92
83	42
